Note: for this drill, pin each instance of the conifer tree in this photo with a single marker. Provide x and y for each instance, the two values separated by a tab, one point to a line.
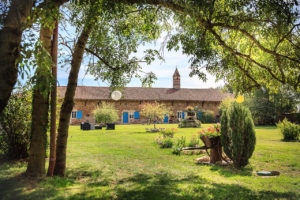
238	134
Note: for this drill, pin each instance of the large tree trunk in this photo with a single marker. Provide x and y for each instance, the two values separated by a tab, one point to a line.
53	103
10	39
40	107
68	103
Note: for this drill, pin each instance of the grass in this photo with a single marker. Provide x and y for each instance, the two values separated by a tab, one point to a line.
127	164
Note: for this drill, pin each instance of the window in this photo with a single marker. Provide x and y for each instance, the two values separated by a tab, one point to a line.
179	114
74	114
131	115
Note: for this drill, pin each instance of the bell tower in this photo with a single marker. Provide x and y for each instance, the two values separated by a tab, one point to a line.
176	79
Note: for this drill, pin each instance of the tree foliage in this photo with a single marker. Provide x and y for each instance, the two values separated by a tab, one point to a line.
268	107
15	125
238	134
155	112
118	32
247	43
106	113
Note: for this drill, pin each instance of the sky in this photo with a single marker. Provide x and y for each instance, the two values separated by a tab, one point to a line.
163	70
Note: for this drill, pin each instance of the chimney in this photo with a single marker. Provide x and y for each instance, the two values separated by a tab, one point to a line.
176	79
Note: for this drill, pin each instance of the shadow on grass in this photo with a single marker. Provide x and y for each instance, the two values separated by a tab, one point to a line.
229	171
93	184
22	187
164	186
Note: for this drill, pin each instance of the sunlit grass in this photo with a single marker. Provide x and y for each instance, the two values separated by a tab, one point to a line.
127	164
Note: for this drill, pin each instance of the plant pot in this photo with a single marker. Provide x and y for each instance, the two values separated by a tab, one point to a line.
191	113
210	142
110	126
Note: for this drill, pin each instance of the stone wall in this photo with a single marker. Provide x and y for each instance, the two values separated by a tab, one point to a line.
87	107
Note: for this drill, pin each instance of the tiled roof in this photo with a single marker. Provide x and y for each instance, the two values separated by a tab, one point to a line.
140	93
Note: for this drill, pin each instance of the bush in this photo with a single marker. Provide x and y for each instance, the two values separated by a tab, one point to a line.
208	117
179	144
237	134
289	130
169	132
15	125
166	142
194	141
106	113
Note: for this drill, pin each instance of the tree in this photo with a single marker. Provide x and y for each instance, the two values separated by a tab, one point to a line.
53	103
42	86
13	21
112	39
238	134
106	113
154	112
15	124
268	107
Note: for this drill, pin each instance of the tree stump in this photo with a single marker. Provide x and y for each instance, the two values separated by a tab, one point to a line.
214	144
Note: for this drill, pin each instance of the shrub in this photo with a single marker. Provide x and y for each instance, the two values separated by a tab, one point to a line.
237	134
106	113
208	117
169	132
194	141
15	125
289	130
179	144
166	142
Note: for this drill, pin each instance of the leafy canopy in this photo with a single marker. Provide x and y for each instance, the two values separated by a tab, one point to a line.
106	113
155	111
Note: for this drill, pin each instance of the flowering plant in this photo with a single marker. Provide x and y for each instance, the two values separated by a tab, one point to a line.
179	144
164	142
190	108
168	132
194	142
212	131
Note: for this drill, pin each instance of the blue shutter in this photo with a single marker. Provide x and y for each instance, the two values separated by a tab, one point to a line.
199	115
79	114
136	115
182	115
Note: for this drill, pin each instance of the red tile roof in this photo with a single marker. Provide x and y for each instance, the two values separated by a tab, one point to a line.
140	93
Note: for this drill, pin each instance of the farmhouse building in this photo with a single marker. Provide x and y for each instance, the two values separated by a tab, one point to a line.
88	98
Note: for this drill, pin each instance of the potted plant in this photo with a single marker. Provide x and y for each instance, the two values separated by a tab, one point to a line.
210	136
190	111
211	139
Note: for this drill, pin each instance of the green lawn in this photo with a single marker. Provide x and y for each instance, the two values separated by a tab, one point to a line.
127	164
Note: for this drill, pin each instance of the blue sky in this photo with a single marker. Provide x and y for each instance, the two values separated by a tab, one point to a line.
163	69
